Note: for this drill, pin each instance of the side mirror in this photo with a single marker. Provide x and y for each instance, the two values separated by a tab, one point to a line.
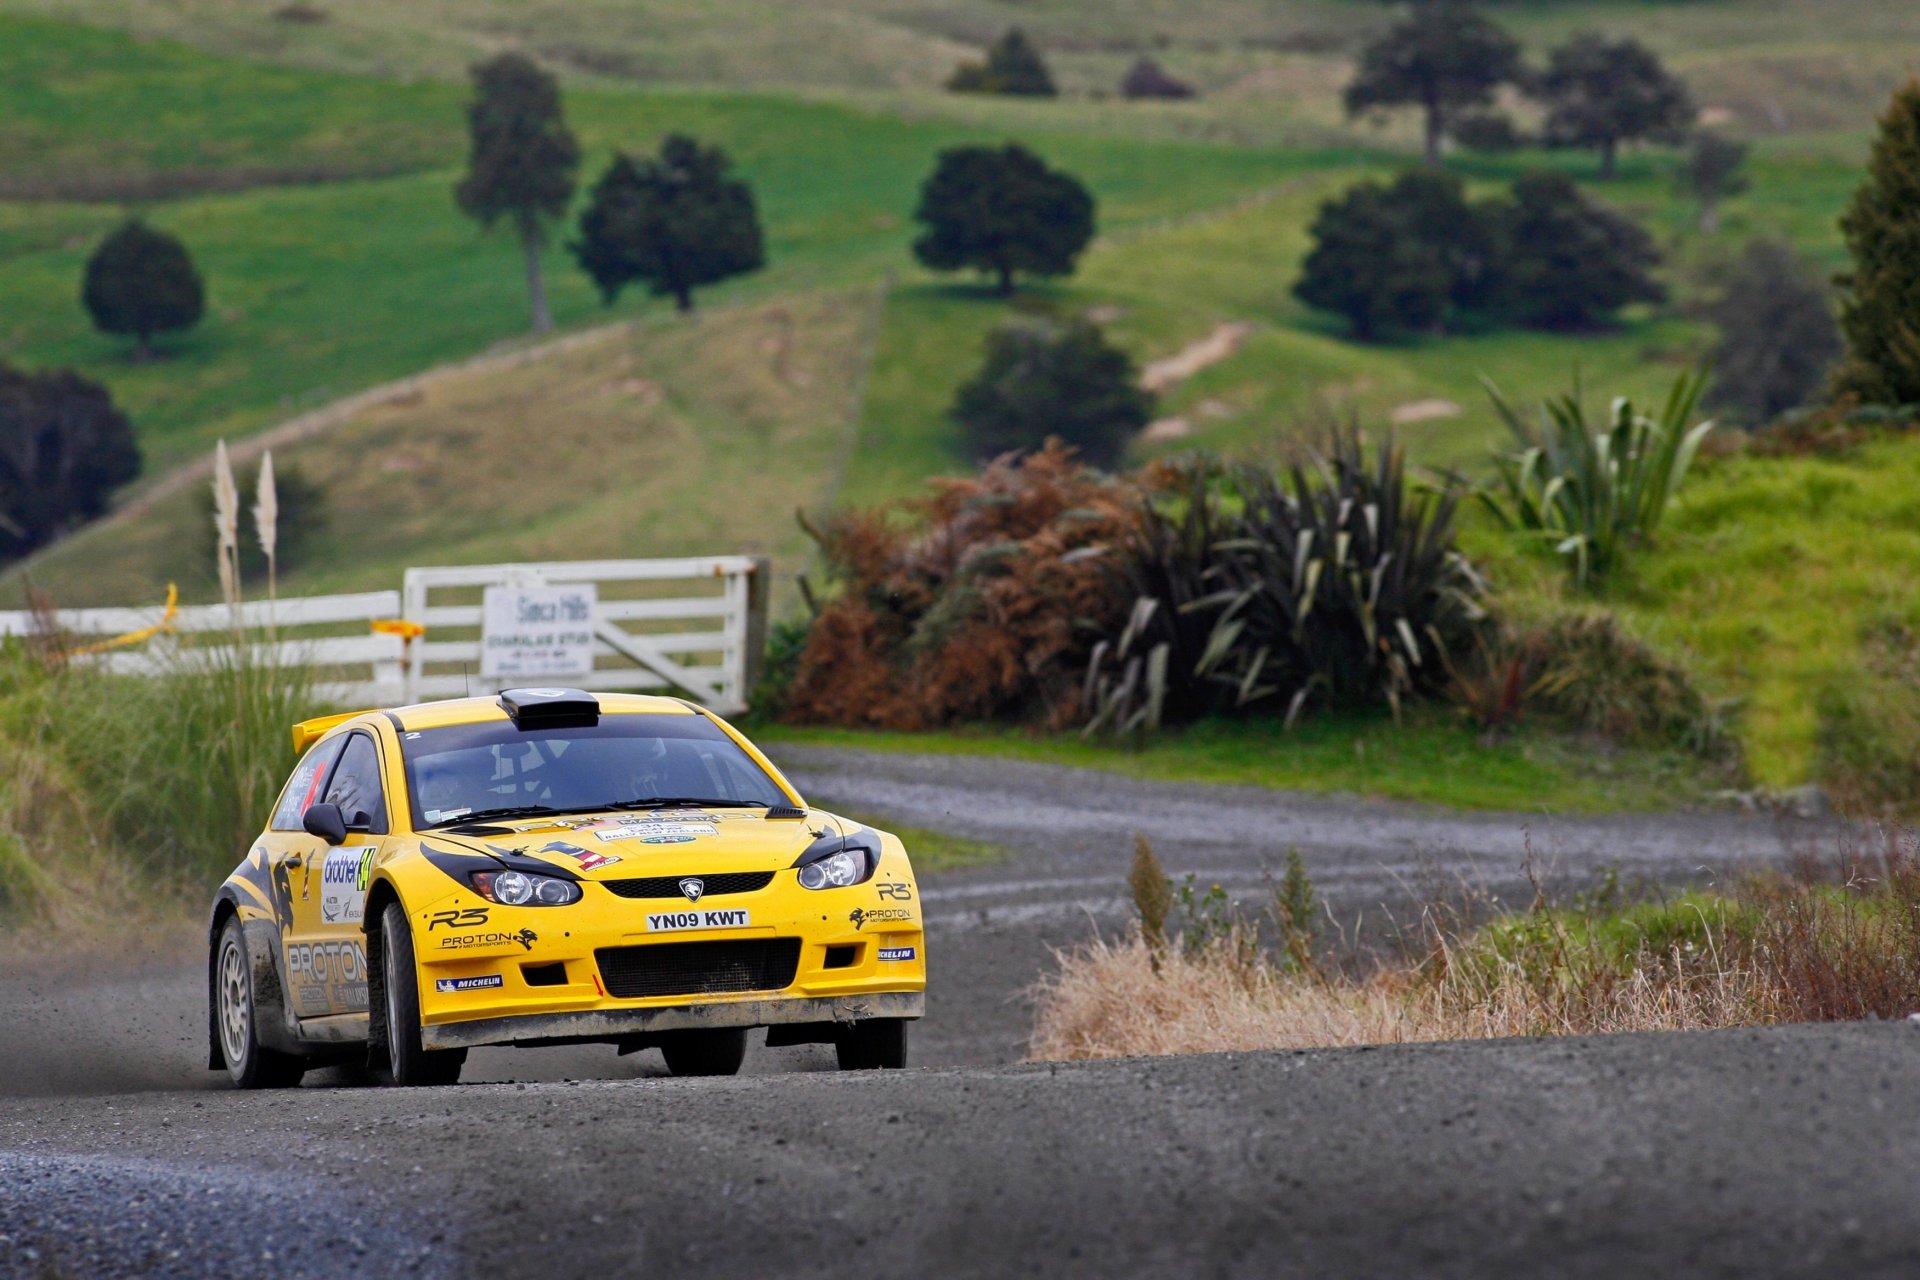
326	821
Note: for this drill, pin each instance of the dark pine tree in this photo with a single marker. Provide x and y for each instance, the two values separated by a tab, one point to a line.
1043	379
1443	56
64	449
140	281
1600	93
1566	262
1013	66
1880	295
1002	211
522	162
675	223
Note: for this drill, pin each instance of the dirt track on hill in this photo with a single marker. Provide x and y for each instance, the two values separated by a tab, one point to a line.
1729	1153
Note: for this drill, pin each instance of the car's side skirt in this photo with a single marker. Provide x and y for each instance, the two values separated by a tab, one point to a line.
596	1026
339	1028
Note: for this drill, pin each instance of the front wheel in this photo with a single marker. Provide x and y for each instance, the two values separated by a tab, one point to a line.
406	1060
705	1053
872	1043
249	1063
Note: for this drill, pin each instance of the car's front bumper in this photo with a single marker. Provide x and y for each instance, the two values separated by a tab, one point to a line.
599	1025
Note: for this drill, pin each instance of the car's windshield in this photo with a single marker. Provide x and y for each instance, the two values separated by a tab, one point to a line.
471	769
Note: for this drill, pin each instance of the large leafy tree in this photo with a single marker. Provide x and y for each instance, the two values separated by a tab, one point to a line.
1600	93
1880	295
1397	257
522	163
676	222
1778	338
1043	379
1002	211
1013	66
140	281
1566	262
1443	56
64	448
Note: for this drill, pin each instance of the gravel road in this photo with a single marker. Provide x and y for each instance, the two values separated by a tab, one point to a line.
1778	1152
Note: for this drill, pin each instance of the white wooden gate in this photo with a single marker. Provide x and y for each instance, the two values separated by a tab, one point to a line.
704	640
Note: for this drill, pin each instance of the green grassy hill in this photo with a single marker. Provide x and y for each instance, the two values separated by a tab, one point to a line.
310	165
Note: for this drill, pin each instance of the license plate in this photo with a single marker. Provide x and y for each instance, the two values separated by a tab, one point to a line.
682	921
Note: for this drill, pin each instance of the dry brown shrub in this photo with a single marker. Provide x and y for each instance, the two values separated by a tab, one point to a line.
978	601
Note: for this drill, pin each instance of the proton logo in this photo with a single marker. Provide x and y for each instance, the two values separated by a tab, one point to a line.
693	887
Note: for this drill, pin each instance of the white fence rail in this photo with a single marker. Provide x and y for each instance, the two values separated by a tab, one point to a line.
694	626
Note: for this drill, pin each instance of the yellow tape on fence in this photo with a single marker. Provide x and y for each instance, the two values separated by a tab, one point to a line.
168	616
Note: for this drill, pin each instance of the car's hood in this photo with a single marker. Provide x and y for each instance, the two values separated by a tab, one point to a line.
616	845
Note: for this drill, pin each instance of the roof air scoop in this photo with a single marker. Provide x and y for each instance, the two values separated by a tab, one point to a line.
550	708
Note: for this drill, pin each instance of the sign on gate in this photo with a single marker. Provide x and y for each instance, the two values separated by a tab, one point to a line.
538	631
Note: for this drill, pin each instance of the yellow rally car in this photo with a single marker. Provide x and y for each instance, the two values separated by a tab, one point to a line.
554	867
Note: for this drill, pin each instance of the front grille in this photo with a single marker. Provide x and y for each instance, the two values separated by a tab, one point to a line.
699	968
669	886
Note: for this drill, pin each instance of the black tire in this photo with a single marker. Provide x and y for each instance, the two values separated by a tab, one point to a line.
250	1064
407	1062
705	1053
872	1044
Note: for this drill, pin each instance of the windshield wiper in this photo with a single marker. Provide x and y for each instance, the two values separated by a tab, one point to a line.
687	802
482	815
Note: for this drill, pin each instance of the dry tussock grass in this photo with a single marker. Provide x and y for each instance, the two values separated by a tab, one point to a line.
1824	942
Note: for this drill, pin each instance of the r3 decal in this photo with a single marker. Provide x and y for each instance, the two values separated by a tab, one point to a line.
897	892
470	918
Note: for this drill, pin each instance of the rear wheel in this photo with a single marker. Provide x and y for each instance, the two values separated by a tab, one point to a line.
705	1053
872	1043
406	1060
249	1063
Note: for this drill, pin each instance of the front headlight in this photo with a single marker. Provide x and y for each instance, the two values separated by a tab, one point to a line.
518	889
836	871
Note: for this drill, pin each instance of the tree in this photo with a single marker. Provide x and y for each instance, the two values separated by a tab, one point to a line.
64	448
1002	211
1713	170
1600	93
677	222
1043	379
1444	56
1778	338
1880	296
1147	79
1013	66
1565	262
142	281
522	162
1397	257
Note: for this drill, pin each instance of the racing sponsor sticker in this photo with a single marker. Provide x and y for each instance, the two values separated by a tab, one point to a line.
860	916
589	859
896	953
486	941
683	921
645	830
343	885
450	985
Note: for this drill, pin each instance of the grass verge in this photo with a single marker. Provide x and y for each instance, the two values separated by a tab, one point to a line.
1433	757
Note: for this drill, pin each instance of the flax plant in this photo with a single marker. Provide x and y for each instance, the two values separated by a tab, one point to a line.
1595	491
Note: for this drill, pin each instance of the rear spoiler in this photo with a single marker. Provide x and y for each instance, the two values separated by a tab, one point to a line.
307	731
